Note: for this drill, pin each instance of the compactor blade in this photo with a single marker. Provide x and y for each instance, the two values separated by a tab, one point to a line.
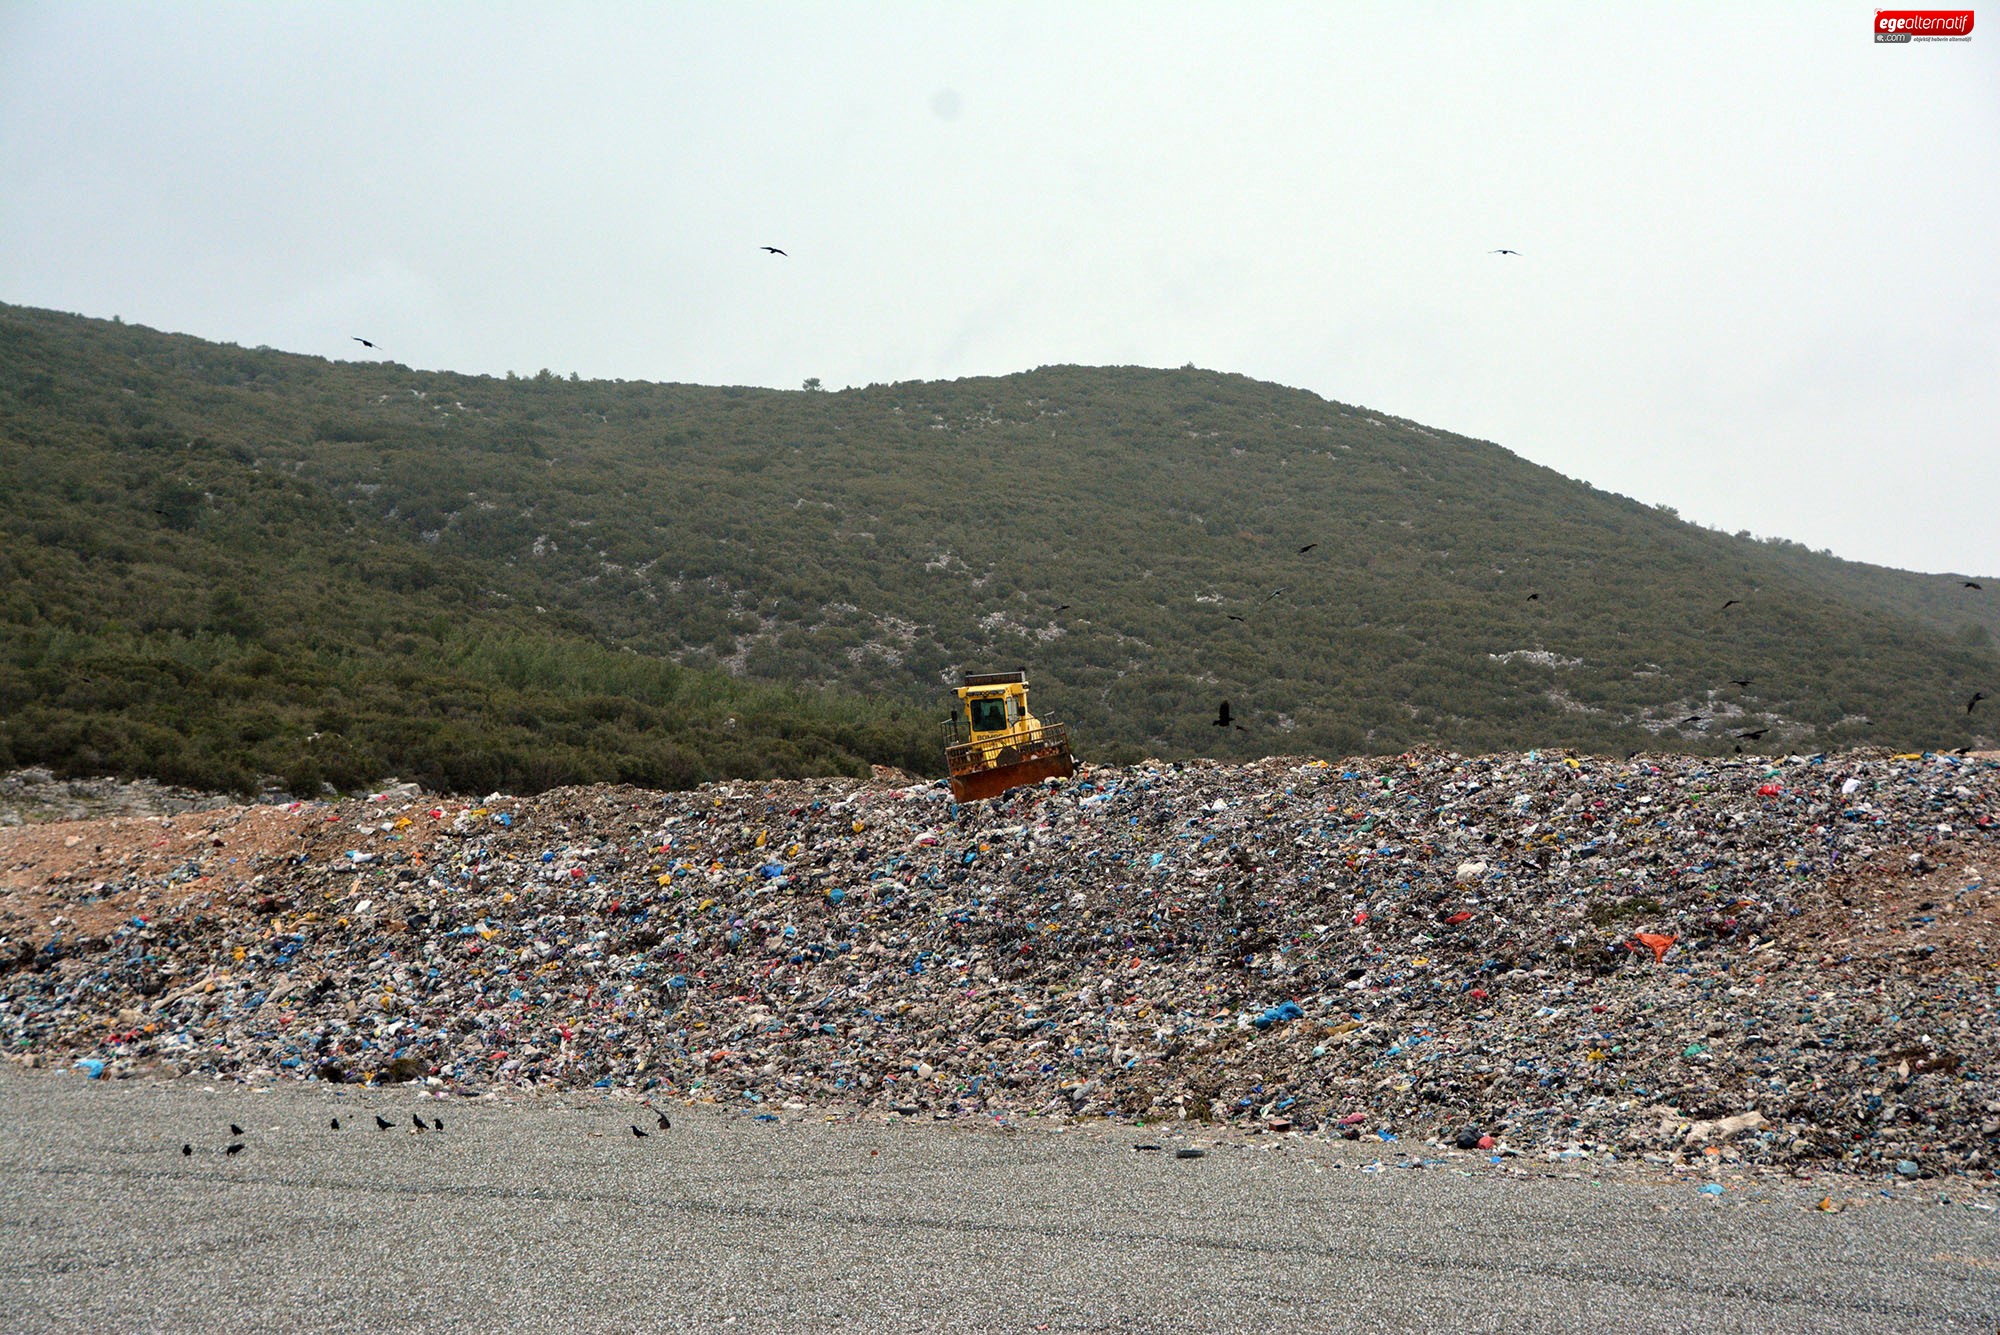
974	785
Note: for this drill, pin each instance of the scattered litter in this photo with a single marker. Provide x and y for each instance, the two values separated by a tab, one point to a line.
1545	954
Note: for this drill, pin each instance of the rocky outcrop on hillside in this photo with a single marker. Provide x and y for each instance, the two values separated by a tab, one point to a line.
37	796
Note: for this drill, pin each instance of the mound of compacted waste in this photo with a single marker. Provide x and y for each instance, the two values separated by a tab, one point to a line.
1767	961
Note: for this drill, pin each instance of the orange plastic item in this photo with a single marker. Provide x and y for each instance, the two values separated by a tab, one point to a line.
1657	944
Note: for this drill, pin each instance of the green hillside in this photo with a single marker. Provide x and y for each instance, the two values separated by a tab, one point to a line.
209	554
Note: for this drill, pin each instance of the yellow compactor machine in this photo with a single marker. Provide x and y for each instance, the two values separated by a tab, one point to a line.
992	743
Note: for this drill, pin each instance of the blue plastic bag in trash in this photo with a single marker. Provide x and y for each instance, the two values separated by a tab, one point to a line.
1288	1010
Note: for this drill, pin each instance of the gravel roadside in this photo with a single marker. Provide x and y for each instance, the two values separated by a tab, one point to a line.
533	1212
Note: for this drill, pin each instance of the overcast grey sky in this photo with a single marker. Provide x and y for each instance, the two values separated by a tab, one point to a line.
1759	277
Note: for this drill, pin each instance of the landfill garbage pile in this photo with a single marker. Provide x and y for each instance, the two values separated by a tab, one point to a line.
1780	962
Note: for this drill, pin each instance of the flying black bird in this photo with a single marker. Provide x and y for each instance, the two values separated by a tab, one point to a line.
1063	608
237	1148
1740	681
1503	251
1691	718
665	1125
1222	719
1977	696
1731	603
1752	734
774	250
1970	585
638	1133
1276	592
1233	617
1308	547
382	1123
186	1150
335	1124
421	1125
362	341
1534	597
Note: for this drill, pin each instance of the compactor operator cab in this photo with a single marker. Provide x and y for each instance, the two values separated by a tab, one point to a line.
990	713
992	743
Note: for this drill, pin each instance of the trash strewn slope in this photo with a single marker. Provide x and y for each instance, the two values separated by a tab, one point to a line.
1773	961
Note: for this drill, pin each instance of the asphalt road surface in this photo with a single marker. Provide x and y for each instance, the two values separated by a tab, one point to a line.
547	1213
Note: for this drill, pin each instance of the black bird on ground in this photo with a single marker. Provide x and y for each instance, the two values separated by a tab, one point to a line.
362	341
334	1124
1977	696
237	1148
186	1150
421	1125
1222	719
773	250
1752	734
665	1125
638	1133
235	1130
437	1123
382	1123
1503	251
1731	603
1308	547
1970	585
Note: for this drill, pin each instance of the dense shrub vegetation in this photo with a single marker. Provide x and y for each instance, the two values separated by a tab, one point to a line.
219	564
